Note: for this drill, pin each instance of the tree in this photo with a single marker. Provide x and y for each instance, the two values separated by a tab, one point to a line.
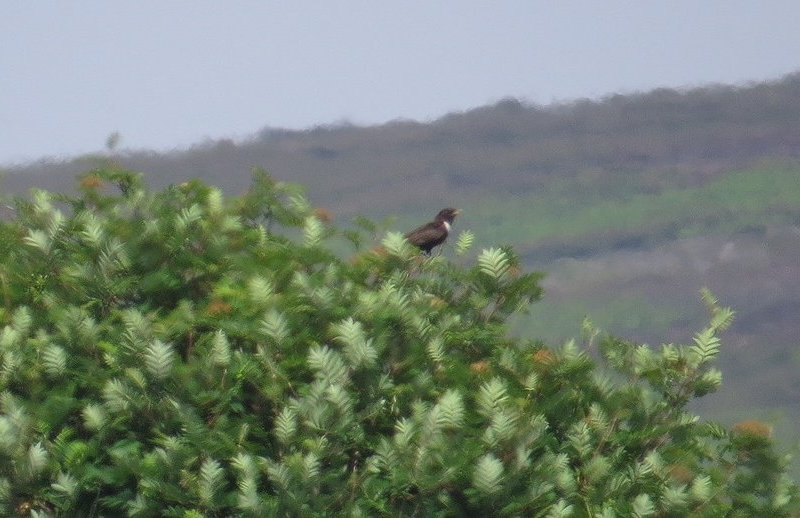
179	354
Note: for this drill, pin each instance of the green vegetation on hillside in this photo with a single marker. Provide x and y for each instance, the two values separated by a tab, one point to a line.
550	221
182	354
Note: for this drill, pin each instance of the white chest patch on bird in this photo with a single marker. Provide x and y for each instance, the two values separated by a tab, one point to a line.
446	226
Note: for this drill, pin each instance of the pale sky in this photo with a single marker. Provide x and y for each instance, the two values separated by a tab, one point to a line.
170	73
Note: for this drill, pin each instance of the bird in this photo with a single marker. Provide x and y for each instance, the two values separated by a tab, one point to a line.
434	233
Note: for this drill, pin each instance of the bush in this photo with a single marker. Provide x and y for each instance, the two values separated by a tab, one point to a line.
180	354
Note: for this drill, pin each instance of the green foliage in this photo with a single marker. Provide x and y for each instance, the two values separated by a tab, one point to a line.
180	354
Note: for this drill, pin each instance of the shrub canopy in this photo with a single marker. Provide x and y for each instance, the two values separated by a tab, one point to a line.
178	353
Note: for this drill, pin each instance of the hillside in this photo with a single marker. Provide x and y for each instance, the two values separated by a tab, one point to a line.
616	146
630	203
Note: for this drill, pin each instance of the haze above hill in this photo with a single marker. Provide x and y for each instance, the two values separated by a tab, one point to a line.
167	74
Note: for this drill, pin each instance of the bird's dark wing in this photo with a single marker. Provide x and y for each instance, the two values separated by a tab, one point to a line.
427	236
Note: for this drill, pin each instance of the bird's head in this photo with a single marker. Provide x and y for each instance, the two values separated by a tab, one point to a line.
448	214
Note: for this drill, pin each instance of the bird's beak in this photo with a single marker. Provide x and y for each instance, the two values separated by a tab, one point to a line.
457	212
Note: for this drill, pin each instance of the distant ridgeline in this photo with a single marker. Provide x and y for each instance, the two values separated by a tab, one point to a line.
643	142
